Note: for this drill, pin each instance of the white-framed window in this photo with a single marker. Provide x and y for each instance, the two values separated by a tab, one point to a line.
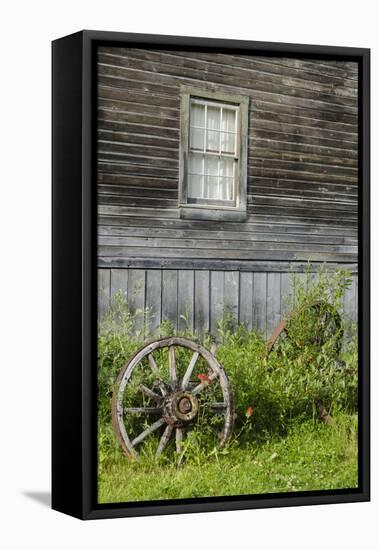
213	155
213	152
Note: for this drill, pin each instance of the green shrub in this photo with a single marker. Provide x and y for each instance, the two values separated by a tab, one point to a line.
270	392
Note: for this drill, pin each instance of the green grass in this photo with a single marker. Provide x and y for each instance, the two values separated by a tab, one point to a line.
312	456
283	446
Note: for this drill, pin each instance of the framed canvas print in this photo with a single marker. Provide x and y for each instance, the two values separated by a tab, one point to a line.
210	274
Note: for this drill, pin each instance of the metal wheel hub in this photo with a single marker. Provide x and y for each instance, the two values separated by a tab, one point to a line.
181	407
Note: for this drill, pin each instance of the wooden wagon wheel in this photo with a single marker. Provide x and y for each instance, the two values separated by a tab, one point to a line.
159	392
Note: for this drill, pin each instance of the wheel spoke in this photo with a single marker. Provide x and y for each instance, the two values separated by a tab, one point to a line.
188	373
152	364
147	391
172	367
164	439
142	410
217	406
148	431
179	440
154	368
204	384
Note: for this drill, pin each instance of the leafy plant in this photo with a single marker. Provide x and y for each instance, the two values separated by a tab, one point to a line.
270	392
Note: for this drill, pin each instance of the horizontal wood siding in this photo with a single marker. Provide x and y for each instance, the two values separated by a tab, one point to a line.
199	299
302	163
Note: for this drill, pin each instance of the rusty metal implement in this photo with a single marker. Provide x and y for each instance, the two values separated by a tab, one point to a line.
329	326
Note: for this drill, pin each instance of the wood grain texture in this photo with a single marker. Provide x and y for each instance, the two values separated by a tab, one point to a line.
273	302
260	302
153	298
103	290
202	301
231	293
286	293
302	158
186	297
119	283
217	298
199	299
246	303
136	295
170	297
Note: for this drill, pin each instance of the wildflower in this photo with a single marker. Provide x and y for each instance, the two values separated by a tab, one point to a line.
249	411
204	378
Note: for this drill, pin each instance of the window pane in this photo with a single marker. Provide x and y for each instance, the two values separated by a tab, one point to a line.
226	167
227	189
195	164
197	115
228	120
211	180
195	184
197	139
213	129
213	141
213	118
197	125
228	143
228	127
211	165
227	179
195	176
211	190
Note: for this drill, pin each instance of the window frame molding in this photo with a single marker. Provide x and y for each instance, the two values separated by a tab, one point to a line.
194	210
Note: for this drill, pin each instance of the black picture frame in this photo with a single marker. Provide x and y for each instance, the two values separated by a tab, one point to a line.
74	295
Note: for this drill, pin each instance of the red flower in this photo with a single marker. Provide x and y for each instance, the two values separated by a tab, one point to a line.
204	378
249	411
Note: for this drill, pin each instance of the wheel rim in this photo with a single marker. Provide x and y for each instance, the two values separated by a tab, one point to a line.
174	403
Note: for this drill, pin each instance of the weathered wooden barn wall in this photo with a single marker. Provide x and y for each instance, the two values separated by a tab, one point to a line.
198	299
302	180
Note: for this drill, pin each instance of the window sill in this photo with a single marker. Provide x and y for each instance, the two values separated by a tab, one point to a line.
189	212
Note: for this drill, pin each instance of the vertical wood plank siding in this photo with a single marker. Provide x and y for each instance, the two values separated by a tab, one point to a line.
302	162
203	297
302	186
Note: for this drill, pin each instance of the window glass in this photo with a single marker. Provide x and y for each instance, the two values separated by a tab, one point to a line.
195	176
228	134
211	183
227	179
197	125
213	128
212	155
